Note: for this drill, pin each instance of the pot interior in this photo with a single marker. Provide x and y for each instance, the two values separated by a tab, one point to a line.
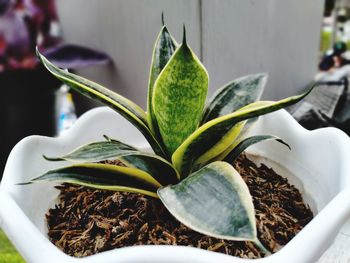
292	178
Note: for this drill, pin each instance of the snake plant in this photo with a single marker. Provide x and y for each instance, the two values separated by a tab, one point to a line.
193	145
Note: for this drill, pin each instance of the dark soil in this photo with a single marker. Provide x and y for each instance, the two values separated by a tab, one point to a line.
87	221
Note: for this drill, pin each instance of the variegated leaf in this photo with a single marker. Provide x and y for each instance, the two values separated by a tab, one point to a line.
158	167
96	152
244	144
235	95
163	50
163	171
222	144
92	90
104	176
214	201
179	96
209	134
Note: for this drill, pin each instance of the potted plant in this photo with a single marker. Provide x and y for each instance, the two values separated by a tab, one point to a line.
190	168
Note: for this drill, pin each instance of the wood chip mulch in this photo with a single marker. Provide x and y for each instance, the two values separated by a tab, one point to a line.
87	221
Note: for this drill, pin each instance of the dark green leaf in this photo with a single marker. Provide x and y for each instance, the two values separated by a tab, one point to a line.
159	168
96	152
235	95
163	50
244	144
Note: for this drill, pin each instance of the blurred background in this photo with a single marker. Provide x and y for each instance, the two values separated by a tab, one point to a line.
111	42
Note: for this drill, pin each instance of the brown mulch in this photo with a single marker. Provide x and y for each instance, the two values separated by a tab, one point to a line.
87	221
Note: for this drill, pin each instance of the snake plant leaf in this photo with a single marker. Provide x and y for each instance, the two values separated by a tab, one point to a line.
75	57
179	96
242	135
96	152
158	167
244	144
235	95
209	134
231	97
104	176
163	50
92	90
232	135
214	201
163	171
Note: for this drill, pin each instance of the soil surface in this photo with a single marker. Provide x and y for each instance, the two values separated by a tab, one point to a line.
87	221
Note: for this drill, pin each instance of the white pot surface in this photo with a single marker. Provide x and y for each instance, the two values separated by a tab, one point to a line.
318	165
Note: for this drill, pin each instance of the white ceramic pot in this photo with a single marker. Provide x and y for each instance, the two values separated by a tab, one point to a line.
319	164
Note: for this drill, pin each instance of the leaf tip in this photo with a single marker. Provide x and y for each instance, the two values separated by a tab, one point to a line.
162	17
107	138
26	183
37	50
261	247
284	143
264	75
52	158
184	41
38	54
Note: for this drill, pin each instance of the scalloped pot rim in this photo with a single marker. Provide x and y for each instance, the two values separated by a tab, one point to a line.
317	164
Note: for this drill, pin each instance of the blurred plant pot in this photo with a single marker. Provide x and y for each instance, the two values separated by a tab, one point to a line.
317	164
27	106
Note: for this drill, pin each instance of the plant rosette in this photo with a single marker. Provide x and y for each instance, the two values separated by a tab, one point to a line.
318	165
190	170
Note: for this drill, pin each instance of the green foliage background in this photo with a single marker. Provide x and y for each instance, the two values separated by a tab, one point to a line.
8	253
326	40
